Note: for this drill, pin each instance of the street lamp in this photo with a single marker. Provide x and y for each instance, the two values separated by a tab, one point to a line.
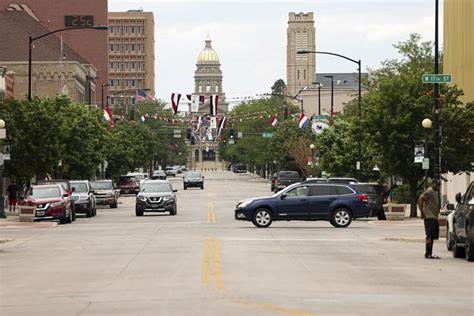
2	199
319	84
359	64
103	102
332	93
32	39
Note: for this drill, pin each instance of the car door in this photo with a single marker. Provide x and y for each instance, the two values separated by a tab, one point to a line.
293	204
461	214
321	196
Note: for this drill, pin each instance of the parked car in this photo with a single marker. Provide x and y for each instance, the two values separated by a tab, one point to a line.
66	186
105	193
449	227
239	168
283	179
342	180
193	179
337	203
128	184
158	175
156	196
463	225
83	198
374	198
51	201
171	171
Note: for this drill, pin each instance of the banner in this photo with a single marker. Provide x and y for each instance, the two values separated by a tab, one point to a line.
195	103
213	123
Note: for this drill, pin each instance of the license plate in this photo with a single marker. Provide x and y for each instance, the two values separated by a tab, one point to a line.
40	213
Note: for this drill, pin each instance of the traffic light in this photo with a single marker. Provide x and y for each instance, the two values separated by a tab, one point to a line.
188	134
231	133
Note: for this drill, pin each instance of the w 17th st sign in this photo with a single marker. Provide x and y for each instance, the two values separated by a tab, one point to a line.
432	78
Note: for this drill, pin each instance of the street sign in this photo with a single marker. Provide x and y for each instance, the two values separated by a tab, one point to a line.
3	133
267	135
231	141
432	78
425	165
239	134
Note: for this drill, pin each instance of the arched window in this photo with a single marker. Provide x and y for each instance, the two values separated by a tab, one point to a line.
298	74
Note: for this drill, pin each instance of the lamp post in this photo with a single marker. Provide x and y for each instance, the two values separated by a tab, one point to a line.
427	124
2	198
359	65
319	96
103	101
31	39
332	93
437	129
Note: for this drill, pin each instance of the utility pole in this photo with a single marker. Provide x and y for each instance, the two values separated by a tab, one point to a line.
437	129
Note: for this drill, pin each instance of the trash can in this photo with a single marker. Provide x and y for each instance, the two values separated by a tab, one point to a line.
27	213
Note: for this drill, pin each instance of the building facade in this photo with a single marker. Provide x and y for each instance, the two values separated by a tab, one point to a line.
131	55
458	60
208	78
56	68
91	45
301	35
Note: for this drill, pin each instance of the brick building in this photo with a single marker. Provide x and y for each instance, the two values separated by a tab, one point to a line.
91	45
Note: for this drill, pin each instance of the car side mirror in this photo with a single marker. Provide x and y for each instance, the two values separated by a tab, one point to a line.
283	196
174	190
458	197
450	207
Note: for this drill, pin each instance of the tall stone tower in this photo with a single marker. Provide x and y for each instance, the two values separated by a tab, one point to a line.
208	78
301	69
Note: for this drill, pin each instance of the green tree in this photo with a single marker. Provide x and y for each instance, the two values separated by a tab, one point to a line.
279	87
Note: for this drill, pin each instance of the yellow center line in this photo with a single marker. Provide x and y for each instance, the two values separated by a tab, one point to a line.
215	273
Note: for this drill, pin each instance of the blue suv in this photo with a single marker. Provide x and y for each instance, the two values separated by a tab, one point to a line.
308	201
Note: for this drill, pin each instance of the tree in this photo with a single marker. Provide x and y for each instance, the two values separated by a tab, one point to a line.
279	87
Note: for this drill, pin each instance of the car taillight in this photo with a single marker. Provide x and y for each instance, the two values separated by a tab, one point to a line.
362	197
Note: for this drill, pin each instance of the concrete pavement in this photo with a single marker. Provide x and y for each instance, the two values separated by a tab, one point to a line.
203	262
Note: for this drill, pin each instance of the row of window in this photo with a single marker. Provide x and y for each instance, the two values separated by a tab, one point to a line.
123	83
123	48
126	30
298	74
319	190
122	101
134	65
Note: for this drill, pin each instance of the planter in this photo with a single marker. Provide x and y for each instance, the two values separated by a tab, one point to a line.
442	220
27	213
395	216
395	212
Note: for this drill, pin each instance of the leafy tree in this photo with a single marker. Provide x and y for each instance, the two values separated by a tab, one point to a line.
279	87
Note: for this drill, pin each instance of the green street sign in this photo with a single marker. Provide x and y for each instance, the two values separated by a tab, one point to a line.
431	78
267	135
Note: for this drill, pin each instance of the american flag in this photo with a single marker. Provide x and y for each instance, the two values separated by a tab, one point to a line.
143	96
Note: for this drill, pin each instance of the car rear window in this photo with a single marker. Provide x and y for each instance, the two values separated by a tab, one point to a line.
288	175
365	188
340	190
126	178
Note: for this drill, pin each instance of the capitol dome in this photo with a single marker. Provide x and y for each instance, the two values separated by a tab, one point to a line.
208	55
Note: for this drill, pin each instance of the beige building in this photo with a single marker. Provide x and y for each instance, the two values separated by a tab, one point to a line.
458	60
300	36
131	55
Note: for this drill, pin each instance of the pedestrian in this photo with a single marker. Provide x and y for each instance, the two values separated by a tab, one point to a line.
429	205
12	195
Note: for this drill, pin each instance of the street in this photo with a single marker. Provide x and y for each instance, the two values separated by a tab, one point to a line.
203	262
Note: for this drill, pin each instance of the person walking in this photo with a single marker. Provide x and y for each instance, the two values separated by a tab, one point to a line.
429	205
12	195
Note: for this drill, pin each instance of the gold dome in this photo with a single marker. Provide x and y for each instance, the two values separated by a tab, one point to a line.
208	54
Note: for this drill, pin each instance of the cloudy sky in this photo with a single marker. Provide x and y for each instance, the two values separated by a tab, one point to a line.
250	36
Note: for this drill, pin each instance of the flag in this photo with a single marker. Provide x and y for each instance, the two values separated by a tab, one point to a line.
175	103
188	96
222	125
120	117
213	123
198	122
143	96
274	121
303	121
195	103
108	116
213	105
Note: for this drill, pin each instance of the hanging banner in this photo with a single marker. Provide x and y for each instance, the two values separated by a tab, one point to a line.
213	123
419	153
195	103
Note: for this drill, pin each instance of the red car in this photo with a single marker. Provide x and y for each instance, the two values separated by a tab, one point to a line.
51	201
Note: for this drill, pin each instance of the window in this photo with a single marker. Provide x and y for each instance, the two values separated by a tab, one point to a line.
320	190
304	74
200	88
217	89
133	82
298	192
111	47
298	74
341	190
111	82
208	88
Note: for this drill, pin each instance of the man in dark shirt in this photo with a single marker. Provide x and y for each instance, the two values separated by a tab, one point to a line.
12	195
429	205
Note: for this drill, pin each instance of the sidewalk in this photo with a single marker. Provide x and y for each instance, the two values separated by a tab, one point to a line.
13	221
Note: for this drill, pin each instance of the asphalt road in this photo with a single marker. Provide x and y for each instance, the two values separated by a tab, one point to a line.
203	262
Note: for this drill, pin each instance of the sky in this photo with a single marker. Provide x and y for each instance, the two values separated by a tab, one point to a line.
250	37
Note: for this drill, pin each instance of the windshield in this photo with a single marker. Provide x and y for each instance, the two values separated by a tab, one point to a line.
169	168
193	175
79	187
44	192
289	175
102	185
156	187
126	178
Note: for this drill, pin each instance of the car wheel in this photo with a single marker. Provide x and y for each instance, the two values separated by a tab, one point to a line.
449	238
202	187
262	218
174	211
469	249
185	187
69	219
341	218
64	220
138	212
73	214
458	250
